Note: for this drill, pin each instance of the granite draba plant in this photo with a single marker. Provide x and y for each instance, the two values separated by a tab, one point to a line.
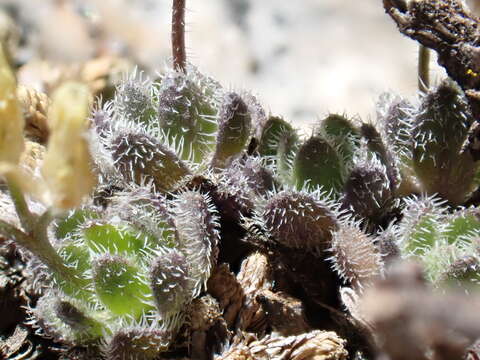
121	270
131	266
127	235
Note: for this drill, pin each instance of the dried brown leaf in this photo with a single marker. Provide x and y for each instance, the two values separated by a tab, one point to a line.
207	330
223	285
315	345
284	313
255	275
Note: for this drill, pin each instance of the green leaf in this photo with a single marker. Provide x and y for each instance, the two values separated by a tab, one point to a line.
463	225
76	257
273	131
343	133
319	164
101	237
66	227
120	286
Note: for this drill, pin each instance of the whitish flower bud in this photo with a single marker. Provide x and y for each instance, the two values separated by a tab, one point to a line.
34	106
11	119
67	167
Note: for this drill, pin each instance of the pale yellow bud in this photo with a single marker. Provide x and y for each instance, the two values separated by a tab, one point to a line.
67	167
20	178
31	160
11	119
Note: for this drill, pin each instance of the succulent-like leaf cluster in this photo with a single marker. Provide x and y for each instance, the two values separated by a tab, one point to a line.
145	247
149	251
375	175
133	264
136	259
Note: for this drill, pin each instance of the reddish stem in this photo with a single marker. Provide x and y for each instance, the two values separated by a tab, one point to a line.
178	35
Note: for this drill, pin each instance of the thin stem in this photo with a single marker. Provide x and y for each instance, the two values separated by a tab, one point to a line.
27	219
41	248
10	232
178	35
423	68
42	224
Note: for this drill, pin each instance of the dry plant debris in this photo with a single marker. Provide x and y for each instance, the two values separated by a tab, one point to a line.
449	28
315	345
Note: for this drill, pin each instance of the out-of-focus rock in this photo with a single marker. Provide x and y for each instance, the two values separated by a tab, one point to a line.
63	34
101	74
303	59
409	319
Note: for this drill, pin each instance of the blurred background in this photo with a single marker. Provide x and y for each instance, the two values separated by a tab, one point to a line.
302	59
